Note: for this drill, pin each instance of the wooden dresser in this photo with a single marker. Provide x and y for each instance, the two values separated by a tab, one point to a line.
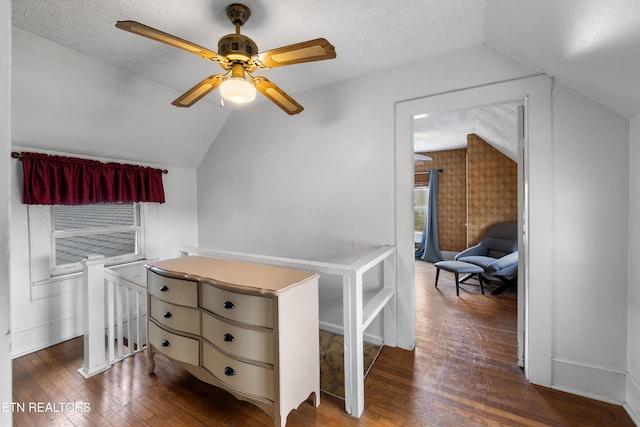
248	328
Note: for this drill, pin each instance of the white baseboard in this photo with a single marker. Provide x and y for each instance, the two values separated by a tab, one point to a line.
632	405
43	336
632	414
589	381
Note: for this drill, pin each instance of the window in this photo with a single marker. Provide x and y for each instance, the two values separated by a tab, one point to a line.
420	197
111	229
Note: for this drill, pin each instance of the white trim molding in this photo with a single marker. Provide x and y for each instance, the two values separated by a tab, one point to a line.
593	382
632	402
535	93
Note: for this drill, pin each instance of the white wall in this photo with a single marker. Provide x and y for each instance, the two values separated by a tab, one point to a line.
633	325
45	313
320	185
5	138
590	173
178	217
70	102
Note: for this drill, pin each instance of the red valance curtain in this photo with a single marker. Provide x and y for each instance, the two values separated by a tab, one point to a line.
58	180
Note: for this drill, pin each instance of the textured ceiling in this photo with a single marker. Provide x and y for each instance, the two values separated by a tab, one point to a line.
367	35
590	45
496	124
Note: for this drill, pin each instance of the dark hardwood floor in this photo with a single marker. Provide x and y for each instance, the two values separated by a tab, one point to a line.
462	373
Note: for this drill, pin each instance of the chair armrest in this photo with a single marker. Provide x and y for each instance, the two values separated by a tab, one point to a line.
502	263
476	250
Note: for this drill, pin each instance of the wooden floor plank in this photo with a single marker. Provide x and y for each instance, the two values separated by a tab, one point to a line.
462	373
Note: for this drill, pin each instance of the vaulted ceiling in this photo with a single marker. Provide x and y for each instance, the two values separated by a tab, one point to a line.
367	35
590	45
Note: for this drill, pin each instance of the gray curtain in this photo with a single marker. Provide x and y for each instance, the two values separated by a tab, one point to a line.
429	249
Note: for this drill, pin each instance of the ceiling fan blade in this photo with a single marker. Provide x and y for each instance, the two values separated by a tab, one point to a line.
152	33
277	96
194	94
312	50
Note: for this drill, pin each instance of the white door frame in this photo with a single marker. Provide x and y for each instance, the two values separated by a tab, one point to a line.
534	284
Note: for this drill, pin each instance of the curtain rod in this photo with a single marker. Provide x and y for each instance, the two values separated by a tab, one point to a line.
423	173
16	155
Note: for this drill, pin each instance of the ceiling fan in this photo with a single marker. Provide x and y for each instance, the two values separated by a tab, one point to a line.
239	57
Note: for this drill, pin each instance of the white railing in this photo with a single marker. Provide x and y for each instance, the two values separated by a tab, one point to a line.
115	317
126	304
122	309
357	315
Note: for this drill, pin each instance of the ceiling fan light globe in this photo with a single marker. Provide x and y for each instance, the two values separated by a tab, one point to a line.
237	90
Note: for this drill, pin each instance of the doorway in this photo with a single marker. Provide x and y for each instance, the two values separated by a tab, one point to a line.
467	146
534	317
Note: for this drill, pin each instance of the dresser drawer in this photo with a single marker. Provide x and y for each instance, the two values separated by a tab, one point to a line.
245	377
247	343
178	317
176	291
174	346
250	309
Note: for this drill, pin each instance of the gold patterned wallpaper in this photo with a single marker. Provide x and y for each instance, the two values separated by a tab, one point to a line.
474	195
452	194
494	180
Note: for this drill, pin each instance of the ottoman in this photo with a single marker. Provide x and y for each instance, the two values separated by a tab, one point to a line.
457	267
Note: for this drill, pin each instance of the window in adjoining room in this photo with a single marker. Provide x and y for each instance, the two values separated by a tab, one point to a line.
420	197
110	229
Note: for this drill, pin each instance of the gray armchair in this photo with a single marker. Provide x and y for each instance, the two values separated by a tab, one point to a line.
497	254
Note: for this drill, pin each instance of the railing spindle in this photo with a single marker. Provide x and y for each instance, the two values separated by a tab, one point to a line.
110	319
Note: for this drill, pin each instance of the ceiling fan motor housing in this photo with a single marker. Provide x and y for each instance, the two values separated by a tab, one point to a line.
237	47
238	13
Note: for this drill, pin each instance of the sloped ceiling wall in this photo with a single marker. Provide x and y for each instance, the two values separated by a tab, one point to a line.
496	124
117	87
71	103
368	35
589	45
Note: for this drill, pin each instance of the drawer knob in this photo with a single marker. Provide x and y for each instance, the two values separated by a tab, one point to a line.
228	371
229	305
164	288
165	343
229	338
167	315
